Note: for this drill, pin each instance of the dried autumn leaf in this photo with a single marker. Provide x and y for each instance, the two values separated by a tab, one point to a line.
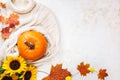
83	68
102	74
2	5
1	19
13	19
57	73
7	31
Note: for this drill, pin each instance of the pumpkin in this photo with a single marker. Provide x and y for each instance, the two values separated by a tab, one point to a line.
32	45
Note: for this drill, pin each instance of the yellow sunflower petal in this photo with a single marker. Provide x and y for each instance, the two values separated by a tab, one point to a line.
9	57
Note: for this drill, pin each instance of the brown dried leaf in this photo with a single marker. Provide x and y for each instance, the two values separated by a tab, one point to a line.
2	5
13	19
83	68
102	74
57	73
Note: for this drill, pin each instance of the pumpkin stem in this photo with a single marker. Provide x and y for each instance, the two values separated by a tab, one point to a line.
30	45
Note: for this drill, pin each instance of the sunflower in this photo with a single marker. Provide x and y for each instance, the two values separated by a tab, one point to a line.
30	73
6	76
14	65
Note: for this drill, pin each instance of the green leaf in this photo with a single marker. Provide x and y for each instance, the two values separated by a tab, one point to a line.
20	79
1	70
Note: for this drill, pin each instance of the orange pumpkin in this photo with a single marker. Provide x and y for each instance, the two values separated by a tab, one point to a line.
32	45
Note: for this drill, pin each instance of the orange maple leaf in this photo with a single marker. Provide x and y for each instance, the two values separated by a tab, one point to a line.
57	73
13	19
2	19
83	68
102	74
2	5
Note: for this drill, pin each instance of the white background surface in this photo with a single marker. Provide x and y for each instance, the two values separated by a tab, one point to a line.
90	32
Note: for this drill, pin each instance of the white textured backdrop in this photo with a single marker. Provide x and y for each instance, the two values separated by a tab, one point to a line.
90	32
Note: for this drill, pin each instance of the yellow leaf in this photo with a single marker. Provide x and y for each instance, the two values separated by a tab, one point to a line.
91	69
68	78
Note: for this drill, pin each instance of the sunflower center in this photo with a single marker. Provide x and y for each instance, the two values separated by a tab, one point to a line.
27	75
7	78
30	45
15	65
